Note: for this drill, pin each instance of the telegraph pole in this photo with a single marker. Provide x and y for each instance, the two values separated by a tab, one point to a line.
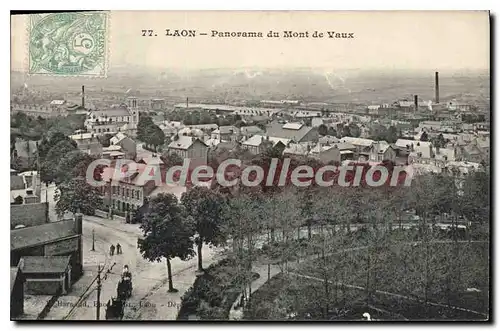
98	311
93	240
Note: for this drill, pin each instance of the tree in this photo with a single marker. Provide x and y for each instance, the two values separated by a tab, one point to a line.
323	130
157	137
171	159
354	130
166	233
104	139
392	135
332	132
54	156
76	195
424	136
346	131
206	208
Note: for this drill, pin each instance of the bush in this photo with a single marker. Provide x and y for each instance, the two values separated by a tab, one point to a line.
213	293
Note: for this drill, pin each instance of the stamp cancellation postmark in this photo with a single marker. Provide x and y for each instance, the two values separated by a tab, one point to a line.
69	44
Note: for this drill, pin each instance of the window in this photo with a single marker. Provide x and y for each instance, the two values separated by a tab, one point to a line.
127	193
138	194
123	191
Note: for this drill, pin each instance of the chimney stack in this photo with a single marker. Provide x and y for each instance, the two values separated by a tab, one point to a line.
83	96
437	87
187	102
416	102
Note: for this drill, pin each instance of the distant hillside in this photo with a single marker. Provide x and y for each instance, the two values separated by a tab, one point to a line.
256	84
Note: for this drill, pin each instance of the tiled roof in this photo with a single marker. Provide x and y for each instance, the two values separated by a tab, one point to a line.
44	264
40	234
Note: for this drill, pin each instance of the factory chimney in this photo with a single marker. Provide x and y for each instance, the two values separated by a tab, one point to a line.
187	102
416	102
437	87
83	96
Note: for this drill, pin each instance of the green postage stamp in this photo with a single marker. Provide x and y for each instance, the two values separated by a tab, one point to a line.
69	44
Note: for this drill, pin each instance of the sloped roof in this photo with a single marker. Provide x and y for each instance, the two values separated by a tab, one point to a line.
117	138
404	142
183	142
111	112
445	154
297	149
40	234
28	213
257	139
357	141
16	183
14	272
291	131
44	264
228	129
251	130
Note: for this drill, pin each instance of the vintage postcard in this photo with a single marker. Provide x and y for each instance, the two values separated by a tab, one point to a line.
243	166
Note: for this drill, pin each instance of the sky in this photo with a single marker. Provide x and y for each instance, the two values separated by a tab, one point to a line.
415	40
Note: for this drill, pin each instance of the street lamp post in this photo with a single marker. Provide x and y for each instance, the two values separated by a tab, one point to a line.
98	311
93	240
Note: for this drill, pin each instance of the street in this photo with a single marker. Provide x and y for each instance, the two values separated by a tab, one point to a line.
147	277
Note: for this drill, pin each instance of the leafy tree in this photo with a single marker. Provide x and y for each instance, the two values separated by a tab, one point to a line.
48	169
171	159
104	139
166	233
378	132
76	195
424	136
323	130
206	208
156	136
332	132
346	131
355	130
392	135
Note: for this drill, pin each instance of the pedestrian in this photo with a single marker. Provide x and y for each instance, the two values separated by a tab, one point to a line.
112	250
118	249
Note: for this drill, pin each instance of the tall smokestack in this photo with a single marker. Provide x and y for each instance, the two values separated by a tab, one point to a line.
83	96
187	102
436	83
416	102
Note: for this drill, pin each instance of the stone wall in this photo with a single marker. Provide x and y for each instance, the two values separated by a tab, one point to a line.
101	213
119	218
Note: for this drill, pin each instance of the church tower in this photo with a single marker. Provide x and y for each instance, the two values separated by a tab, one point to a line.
134	110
